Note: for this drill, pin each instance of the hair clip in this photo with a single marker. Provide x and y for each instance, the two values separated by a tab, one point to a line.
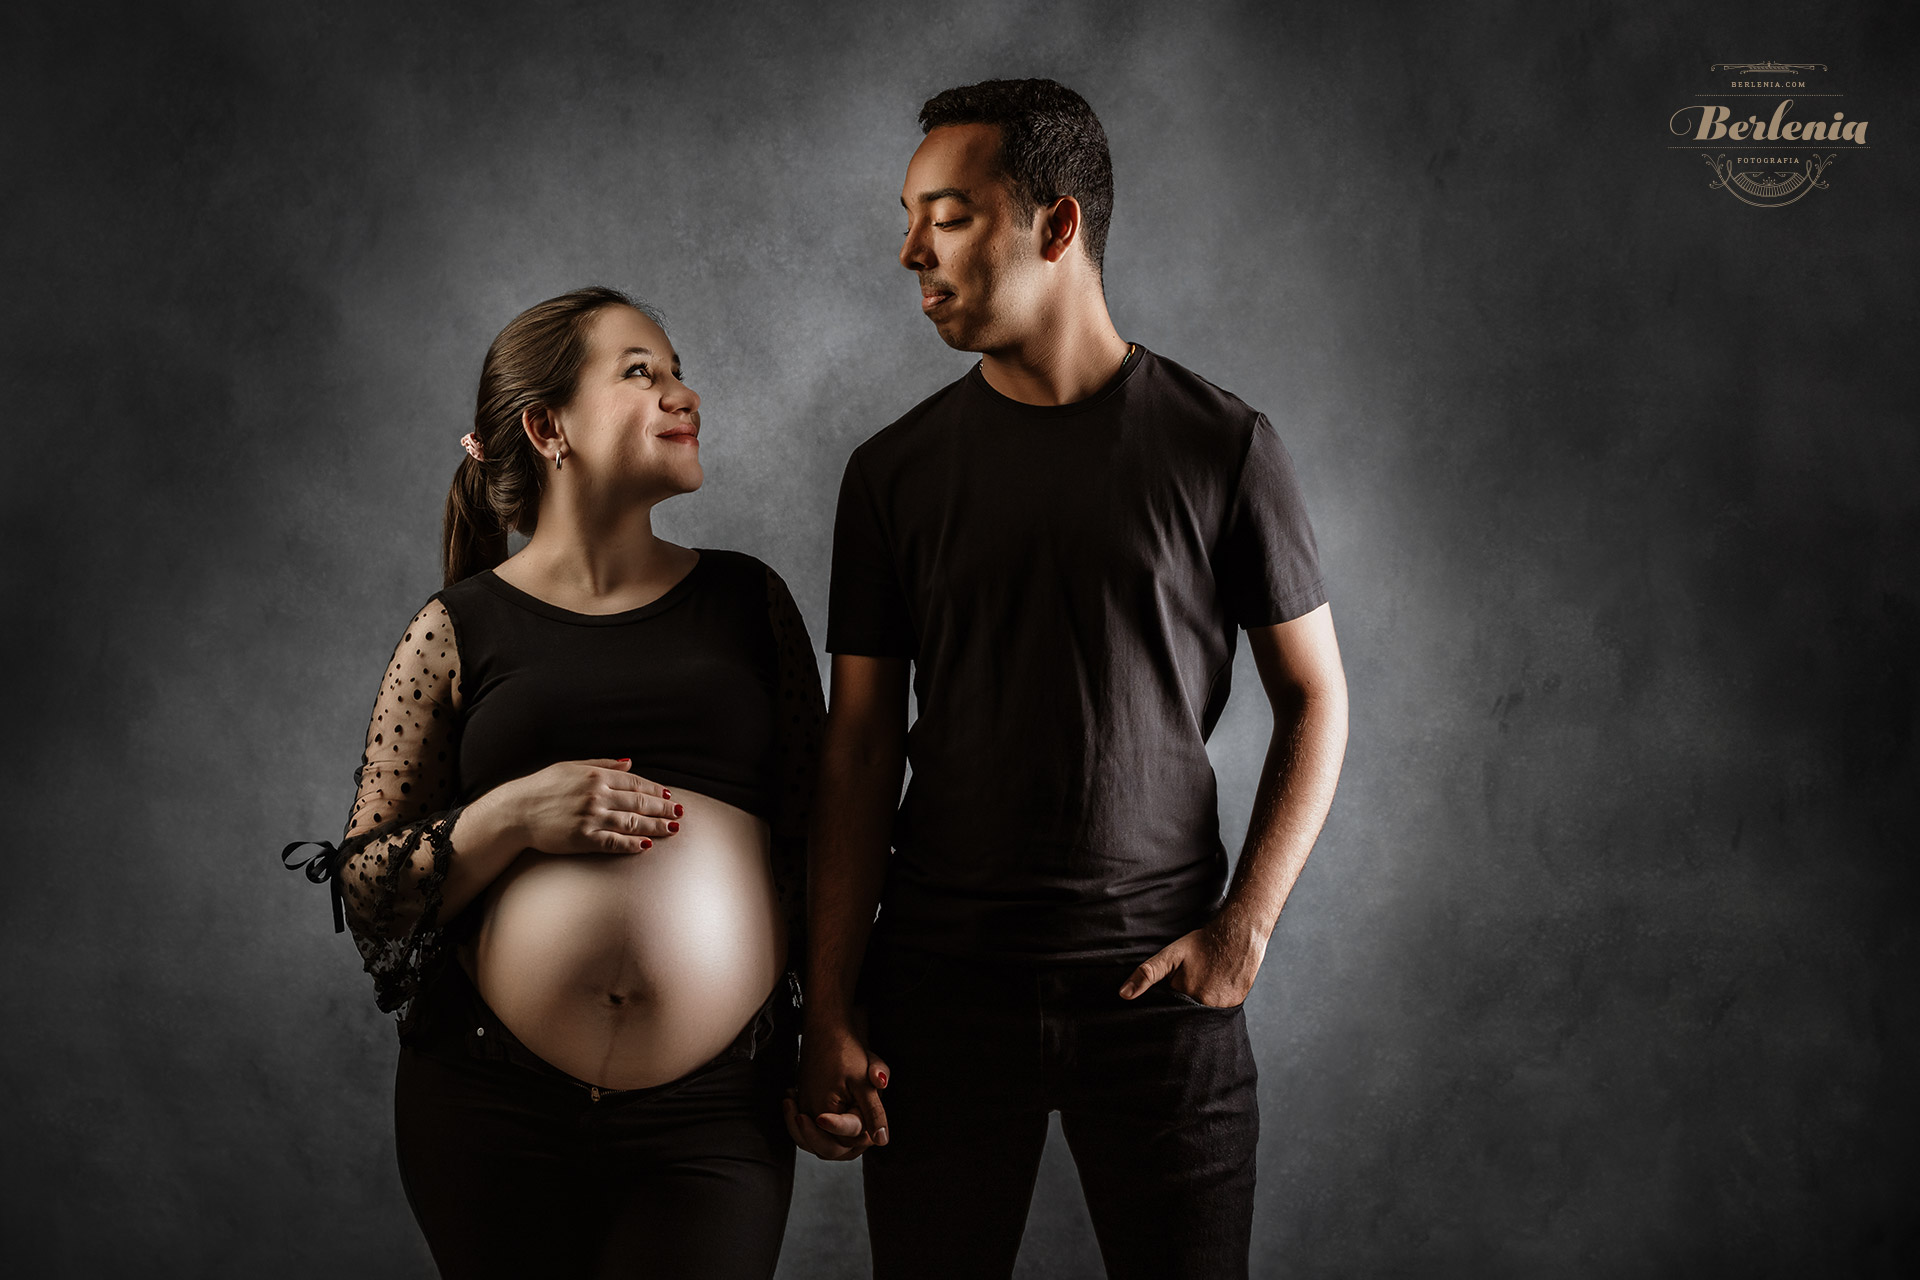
471	443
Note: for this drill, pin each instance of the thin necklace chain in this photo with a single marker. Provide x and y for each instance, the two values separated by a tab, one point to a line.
1131	348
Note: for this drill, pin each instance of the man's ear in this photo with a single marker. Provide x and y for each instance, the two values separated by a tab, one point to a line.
1061	228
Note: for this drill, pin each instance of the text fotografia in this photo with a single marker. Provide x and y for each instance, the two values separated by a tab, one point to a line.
1715	122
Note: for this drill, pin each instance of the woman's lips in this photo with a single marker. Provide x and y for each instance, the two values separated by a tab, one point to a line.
682	437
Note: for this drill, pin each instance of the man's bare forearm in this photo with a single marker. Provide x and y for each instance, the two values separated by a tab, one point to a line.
860	773
1296	789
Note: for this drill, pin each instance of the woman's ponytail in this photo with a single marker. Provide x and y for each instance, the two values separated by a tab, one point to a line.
471	535
534	363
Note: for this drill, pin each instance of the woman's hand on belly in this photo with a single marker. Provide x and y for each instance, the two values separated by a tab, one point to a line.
589	806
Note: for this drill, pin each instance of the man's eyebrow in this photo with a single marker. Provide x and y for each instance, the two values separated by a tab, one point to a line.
944	193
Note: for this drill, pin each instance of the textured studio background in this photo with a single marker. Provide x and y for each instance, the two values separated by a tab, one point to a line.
1606	963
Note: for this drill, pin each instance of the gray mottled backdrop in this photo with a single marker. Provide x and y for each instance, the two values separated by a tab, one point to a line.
1606	964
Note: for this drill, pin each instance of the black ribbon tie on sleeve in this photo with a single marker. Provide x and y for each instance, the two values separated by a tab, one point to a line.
321	868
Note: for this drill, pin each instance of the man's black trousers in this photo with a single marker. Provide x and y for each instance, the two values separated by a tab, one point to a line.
1157	1099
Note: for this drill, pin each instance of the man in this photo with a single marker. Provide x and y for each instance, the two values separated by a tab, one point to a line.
1063	544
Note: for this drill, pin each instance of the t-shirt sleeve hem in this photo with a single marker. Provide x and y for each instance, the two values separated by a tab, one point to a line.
867	649
1295	605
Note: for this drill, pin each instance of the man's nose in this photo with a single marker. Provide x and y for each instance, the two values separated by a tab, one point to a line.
916	250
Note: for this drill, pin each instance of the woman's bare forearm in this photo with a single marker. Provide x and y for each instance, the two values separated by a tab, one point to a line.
486	840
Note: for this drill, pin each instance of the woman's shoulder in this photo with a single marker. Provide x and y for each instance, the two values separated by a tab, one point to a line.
470	588
739	567
756	585
425	663
435	615
463	606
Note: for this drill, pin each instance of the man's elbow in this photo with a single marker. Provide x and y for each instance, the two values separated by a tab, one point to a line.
1313	708
859	749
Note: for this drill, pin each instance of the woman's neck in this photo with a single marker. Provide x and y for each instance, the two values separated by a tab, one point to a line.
604	565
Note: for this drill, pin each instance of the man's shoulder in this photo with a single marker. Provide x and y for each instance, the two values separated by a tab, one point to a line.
897	440
1175	388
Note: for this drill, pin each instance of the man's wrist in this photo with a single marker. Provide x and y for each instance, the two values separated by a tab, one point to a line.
1240	922
826	1018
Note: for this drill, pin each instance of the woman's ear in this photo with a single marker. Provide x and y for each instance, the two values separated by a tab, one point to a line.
540	428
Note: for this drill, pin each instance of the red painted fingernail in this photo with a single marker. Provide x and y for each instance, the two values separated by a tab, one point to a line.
678	812
883	1079
668	794
626	760
673	826
645	843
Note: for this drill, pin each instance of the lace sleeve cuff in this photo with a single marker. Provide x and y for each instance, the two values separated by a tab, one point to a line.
392	882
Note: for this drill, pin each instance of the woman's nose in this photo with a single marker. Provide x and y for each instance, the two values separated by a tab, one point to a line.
679	396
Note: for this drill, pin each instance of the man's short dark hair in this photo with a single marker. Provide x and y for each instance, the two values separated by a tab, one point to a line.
1051	145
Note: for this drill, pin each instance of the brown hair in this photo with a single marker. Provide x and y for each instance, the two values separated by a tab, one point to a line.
535	362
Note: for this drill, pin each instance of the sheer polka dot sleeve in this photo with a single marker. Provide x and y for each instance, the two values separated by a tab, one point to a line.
800	716
399	838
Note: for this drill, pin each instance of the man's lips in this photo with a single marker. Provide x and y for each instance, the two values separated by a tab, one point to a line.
929	299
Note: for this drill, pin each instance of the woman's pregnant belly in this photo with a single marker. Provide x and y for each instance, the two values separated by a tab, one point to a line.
629	970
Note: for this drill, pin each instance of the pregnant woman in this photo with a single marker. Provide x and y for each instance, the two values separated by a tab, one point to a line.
575	863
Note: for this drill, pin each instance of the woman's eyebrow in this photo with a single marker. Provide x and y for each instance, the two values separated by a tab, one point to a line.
647	351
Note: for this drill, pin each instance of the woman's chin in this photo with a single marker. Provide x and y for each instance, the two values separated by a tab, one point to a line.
672	481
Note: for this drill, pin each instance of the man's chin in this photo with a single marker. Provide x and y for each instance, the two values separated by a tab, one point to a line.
957	336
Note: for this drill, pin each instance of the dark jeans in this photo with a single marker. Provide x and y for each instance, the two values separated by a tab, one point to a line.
515	1168
1156	1097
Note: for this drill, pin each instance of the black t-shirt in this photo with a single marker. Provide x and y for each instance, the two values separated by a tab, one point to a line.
1068	581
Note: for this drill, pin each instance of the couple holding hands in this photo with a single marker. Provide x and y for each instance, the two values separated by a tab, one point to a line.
650	914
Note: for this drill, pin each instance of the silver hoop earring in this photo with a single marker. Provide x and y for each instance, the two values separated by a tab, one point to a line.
556	461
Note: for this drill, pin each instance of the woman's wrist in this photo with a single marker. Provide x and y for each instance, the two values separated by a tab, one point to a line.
488	826
486	839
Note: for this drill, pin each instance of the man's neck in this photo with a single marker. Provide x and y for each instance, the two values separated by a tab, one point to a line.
1073	354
